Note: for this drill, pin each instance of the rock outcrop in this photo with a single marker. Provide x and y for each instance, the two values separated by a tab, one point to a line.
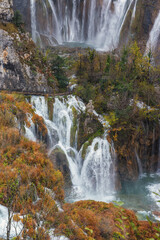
138	153
139	27
6	11
60	162
89	127
15	74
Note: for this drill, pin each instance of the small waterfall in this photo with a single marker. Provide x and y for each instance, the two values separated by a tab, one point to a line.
33	19
93	176
97	174
139	164
95	22
154	36
134	10
158	170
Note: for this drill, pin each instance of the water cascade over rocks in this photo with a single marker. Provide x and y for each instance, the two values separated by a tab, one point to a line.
91	177
95	22
154	36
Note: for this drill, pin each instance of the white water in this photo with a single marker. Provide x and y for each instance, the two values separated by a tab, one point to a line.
154	35
154	189
134	10
33	19
158	170
94	22
92	177
139	164
98	172
16	228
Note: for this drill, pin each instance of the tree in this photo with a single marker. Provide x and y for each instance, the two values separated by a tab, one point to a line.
58	65
17	19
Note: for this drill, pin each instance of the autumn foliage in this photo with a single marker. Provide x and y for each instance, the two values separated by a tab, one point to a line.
31	187
28	182
90	220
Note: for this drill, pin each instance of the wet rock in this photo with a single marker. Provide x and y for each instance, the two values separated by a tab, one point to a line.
138	154
139	28
89	127
90	107
60	162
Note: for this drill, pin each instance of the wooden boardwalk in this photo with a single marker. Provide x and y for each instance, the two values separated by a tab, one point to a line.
37	93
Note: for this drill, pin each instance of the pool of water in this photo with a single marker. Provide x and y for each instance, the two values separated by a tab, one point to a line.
77	45
138	195
141	197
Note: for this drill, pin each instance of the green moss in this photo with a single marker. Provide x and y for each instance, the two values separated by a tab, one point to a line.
9	27
50	102
99	133
86	124
74	126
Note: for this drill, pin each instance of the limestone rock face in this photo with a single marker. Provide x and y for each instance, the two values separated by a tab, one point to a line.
89	126
6	12
60	162
90	107
14	74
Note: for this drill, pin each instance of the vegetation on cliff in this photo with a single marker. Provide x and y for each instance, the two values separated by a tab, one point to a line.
30	186
125	89
22	57
28	180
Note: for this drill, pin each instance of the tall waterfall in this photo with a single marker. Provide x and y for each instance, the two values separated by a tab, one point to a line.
96	22
154	35
92	177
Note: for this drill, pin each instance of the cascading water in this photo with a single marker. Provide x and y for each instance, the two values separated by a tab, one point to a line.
92	177
158	169
95	22
140	169
33	19
154	35
98	171
134	10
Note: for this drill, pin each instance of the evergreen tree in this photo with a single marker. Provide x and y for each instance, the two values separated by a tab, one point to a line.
58	65
17	20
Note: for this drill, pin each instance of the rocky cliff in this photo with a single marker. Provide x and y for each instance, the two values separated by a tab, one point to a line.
136	24
15	74
22	66
141	23
6	12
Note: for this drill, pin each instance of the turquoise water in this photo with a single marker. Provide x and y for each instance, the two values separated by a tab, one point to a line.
77	45
138	196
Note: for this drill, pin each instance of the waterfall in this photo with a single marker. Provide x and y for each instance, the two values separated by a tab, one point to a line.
93	176
134	10
154	36
98	171
139	164
158	170
95	22
33	19
158	167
